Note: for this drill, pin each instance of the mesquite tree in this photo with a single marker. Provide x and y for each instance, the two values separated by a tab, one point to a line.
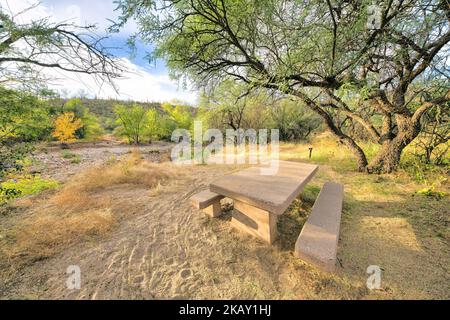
341	58
28	48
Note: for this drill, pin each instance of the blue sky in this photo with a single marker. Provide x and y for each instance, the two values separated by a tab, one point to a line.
146	81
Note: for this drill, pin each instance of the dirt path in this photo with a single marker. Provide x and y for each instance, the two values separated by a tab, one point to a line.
149	256
51	163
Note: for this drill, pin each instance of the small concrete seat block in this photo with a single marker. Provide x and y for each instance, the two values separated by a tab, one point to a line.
205	199
319	237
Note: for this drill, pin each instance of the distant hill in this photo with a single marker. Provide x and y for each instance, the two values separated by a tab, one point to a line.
103	108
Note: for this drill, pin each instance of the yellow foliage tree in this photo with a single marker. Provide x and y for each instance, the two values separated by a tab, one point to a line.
65	127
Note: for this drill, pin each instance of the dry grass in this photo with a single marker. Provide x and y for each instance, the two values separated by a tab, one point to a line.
81	210
387	222
132	170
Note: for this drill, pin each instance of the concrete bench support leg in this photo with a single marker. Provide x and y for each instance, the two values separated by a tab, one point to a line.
257	222
214	210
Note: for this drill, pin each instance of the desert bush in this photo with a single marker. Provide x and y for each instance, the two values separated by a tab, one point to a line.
73	157
12	155
138	125
91	128
295	122
131	122
179	115
158	126
24	185
24	120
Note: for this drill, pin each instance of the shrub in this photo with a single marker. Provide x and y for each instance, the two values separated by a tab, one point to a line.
65	127
22	186
91	128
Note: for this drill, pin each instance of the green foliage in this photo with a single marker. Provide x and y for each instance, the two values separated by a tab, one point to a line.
432	193
11	156
425	173
25	185
138	124
23	117
103	109
294	120
157	126
432	146
24	120
68	155
131	122
180	115
234	106
91	128
73	157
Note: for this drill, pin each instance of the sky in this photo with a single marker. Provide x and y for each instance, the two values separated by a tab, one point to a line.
144	81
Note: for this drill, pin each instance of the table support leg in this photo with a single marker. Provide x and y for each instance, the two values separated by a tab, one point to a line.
214	210
257	222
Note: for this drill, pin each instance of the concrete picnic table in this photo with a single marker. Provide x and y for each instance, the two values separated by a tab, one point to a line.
260	199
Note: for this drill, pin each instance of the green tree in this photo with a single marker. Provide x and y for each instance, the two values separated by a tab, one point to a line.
224	107
131	121
294	122
180	115
24	119
158	126
385	57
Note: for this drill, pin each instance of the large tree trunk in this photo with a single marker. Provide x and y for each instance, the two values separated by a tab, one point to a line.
388	158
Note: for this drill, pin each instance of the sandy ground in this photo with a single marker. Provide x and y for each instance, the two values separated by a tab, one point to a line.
166	250
50	163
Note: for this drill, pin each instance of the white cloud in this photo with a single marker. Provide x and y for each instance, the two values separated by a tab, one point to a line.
81	12
137	83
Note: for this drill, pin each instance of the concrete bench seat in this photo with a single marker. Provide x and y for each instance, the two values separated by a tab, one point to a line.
318	240
209	202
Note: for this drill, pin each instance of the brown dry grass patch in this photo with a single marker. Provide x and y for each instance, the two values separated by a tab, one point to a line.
81	210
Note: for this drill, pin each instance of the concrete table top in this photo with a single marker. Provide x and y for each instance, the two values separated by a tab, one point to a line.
273	193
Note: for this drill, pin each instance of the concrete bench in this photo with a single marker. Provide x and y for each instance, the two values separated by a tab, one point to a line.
318	240
209	202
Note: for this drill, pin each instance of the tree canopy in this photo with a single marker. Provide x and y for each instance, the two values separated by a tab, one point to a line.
27	48
380	66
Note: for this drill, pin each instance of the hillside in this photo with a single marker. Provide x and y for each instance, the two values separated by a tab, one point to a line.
104	108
